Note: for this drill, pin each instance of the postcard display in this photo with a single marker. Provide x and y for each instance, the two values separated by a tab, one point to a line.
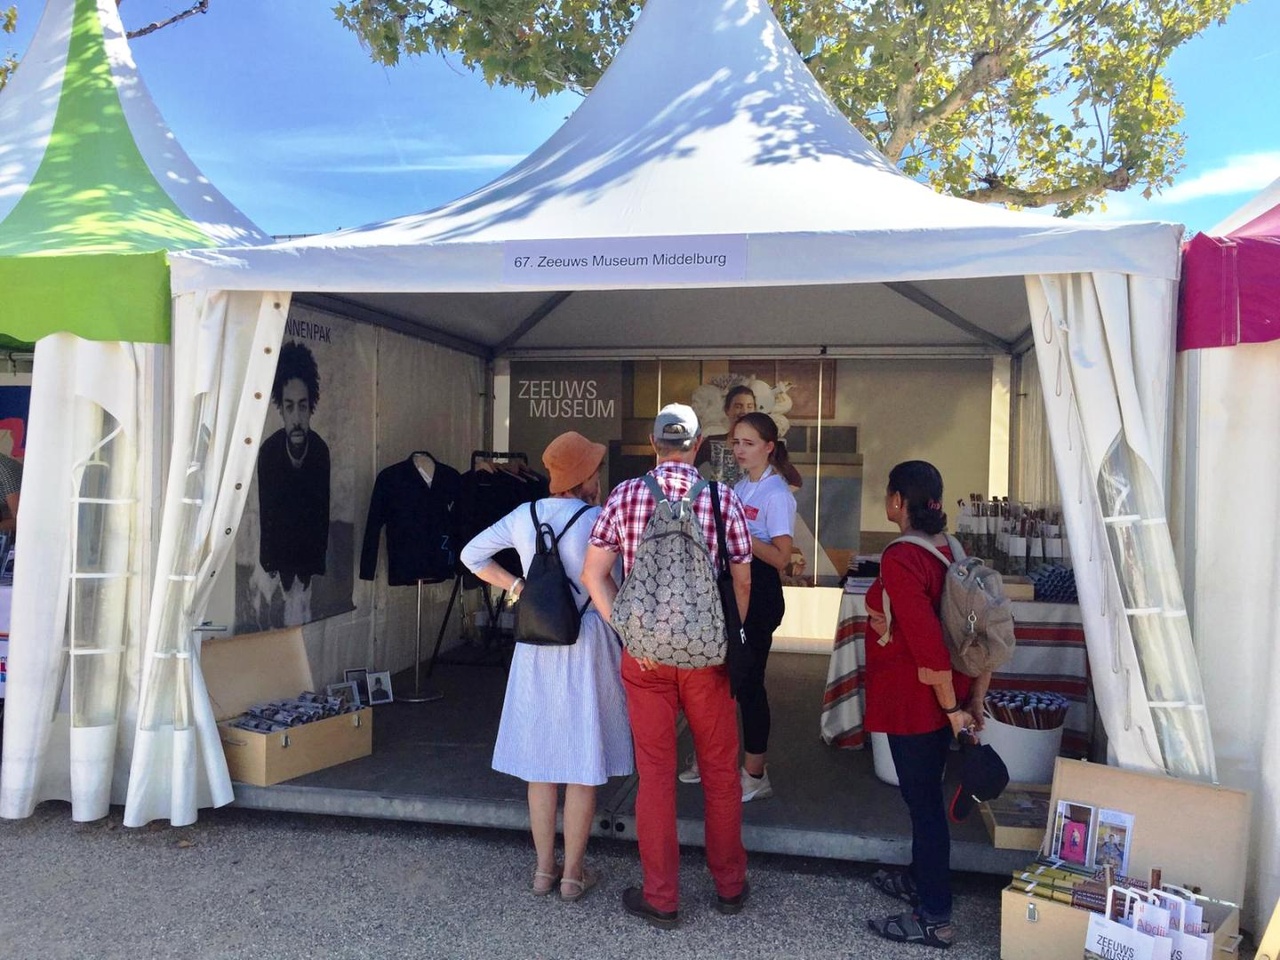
259	668
1107	822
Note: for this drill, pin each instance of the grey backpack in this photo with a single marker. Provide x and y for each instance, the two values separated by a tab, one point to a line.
668	608
977	620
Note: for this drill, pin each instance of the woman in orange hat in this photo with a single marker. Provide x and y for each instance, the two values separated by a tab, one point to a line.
564	719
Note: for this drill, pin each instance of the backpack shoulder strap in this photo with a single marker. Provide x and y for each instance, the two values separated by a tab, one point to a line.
654	487
957	550
926	545
572	520
696	490
722	547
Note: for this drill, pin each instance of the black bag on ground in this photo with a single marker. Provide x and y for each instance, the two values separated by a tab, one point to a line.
738	656
547	613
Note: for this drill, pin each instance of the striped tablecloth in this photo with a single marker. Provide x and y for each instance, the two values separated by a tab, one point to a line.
1050	656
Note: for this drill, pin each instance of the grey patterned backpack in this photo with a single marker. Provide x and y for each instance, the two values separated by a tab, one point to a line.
668	608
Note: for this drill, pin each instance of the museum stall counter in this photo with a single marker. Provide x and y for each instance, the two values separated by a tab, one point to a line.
1050	657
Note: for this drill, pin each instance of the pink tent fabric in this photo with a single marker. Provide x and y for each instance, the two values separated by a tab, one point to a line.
1231	285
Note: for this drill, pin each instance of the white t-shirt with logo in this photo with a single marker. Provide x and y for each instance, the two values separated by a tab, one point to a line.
769	505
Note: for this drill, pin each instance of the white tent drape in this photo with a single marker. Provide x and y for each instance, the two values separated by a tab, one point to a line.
224	358
77	610
1104	345
1231	455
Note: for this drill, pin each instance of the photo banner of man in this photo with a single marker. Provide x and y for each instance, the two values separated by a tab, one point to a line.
549	398
295	550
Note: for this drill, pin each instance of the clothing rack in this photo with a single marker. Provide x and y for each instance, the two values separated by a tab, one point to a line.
494	607
498	456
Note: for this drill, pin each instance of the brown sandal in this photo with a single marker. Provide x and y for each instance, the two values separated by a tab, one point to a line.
572	890
544	882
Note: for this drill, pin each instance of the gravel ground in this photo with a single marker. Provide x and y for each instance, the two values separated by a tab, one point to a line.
249	884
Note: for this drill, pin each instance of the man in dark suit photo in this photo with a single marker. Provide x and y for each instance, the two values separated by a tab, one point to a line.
293	488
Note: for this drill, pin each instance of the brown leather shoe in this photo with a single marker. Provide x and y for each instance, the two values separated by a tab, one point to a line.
634	903
731	905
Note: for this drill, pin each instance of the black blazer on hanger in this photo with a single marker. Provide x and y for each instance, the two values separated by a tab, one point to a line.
419	522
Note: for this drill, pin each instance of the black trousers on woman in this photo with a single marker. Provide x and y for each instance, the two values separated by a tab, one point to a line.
763	616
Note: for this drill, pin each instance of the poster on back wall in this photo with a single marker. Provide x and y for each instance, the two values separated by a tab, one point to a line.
550	398
295	555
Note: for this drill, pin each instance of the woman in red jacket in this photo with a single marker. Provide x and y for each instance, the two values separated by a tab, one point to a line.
915	698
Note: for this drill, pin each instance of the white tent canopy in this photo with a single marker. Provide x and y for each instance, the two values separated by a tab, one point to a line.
709	128
708	138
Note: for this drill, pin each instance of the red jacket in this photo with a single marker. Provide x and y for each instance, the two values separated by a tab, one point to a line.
897	702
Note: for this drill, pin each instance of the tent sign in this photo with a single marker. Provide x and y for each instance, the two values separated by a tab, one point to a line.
609	261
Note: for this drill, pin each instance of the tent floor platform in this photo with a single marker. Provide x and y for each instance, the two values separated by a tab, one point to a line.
430	763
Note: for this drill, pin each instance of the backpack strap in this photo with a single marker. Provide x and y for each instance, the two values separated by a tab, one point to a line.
926	545
722	547
544	529
660	497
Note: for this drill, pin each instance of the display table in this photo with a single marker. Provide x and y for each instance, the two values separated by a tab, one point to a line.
1050	656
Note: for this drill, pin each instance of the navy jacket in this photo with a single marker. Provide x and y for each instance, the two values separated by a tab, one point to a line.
419	522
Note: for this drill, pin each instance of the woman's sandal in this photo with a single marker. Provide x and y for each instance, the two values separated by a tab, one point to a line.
544	882
897	884
911	928
572	890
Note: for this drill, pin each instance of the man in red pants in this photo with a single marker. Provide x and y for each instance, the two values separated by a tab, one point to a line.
657	692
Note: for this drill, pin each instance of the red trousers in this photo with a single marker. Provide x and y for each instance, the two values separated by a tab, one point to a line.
654	699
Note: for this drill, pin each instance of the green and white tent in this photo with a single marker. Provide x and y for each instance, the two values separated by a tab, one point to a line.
94	190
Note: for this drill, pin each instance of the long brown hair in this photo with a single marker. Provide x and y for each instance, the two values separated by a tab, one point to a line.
767	430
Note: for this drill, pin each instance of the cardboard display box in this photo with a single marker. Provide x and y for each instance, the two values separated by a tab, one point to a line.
254	668
1017	819
1197	834
1019	588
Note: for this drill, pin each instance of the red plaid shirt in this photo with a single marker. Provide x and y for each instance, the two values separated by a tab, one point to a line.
621	524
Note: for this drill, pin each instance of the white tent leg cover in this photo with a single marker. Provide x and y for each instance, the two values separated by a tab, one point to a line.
76	621
1107	417
224	348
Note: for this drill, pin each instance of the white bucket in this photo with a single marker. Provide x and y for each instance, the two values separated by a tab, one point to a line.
1029	754
885	769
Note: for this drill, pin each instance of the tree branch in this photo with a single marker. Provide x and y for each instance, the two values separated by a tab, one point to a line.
200	6
996	190
988	67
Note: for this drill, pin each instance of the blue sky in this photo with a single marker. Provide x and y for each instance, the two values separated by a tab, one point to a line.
282	109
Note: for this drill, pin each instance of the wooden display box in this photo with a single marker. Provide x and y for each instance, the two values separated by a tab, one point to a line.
1019	588
257	667
1017	819
1197	834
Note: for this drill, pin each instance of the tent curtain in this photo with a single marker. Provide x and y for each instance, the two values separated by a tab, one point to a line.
76	622
224	358
1103	343
1035	480
1229	500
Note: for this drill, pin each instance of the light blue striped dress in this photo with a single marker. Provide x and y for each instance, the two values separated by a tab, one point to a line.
564	719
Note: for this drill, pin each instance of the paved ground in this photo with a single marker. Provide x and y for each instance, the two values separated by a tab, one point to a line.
249	884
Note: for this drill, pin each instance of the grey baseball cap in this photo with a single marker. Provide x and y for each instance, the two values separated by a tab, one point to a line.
676	423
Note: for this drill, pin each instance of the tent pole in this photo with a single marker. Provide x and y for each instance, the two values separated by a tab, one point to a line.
909	291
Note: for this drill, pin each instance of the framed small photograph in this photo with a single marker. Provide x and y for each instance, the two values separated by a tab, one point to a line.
1072	832
360	678
346	692
1115	828
380	687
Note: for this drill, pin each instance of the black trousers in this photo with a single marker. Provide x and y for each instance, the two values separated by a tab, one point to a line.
763	616
920	760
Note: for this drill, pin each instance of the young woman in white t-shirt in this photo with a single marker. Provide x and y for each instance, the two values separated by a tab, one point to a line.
771	512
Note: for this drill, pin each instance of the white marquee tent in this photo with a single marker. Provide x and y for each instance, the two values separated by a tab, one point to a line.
1227	450
708	199
93	190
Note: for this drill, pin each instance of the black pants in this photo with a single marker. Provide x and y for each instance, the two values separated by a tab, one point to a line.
920	760
763	616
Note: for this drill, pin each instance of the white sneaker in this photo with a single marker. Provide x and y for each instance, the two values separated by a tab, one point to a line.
690	774
756	788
